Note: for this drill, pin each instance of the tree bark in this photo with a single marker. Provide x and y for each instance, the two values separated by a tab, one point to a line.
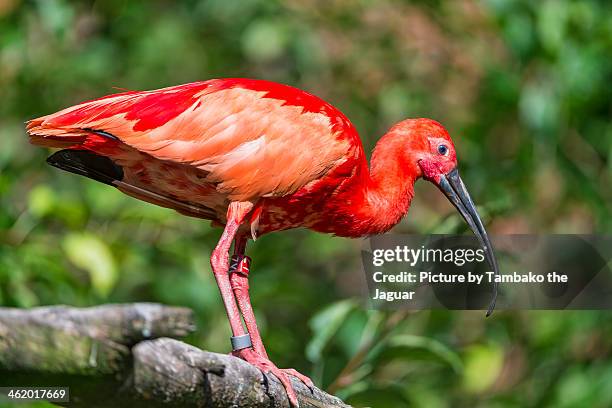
120	356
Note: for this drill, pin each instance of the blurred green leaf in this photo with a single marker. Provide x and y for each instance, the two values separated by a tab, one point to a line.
575	389
90	253
265	40
379	397
552	23
414	348
482	367
56	14
395	103
325	324
41	200
539	105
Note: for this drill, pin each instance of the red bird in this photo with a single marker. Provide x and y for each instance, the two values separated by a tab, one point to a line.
254	157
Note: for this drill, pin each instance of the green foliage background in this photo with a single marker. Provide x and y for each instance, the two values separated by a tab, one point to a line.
524	88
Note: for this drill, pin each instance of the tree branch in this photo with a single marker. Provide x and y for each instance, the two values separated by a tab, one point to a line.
117	355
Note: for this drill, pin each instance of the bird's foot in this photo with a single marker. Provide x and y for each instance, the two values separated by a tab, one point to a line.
266	366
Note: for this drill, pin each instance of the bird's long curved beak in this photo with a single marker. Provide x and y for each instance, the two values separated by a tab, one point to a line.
452	186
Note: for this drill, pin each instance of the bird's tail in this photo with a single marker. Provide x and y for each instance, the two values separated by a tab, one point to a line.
74	125
41	134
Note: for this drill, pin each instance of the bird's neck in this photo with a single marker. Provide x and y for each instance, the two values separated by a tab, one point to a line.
380	196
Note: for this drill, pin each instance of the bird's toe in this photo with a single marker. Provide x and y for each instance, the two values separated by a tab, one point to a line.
283	375
306	380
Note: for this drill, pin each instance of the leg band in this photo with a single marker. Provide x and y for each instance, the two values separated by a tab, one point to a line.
241	342
240	264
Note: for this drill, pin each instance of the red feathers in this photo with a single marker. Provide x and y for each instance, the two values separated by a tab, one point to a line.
294	156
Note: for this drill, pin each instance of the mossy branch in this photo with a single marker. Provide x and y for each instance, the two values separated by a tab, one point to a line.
121	356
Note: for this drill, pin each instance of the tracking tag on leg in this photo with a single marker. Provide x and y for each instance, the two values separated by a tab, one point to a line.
240	264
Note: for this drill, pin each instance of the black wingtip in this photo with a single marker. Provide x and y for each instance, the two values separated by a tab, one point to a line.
88	164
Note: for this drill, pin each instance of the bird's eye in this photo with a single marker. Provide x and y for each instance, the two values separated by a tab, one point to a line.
443	150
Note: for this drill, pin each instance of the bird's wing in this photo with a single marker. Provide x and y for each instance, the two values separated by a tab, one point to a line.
253	138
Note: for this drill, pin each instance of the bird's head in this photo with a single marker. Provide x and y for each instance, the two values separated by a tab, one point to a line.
430	153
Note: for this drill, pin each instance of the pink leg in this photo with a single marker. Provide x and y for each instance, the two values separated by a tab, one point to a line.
257	355
219	262
239	280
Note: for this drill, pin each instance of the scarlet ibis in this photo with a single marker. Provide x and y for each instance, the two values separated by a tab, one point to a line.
254	157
